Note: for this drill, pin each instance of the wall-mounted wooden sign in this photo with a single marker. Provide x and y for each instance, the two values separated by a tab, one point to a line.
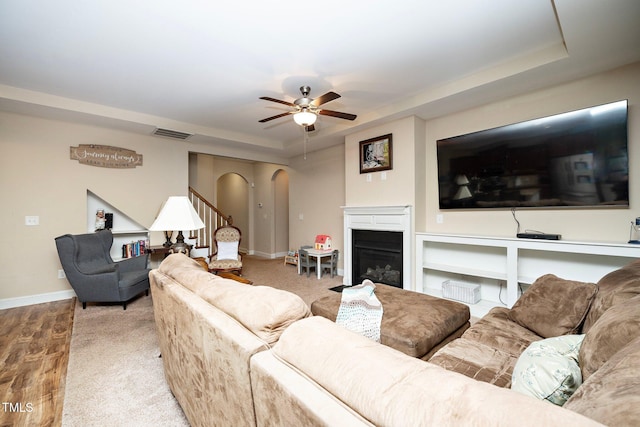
105	156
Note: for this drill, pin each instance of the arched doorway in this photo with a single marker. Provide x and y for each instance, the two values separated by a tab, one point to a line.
280	229
232	192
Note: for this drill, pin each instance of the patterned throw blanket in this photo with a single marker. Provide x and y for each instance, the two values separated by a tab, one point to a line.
360	310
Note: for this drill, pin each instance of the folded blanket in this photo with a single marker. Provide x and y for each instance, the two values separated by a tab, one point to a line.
360	310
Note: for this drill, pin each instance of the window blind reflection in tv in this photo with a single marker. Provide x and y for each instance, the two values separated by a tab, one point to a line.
573	159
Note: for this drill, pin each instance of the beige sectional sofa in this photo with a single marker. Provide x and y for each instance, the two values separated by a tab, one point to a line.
606	314
237	354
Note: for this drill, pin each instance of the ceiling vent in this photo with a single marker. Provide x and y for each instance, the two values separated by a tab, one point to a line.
174	134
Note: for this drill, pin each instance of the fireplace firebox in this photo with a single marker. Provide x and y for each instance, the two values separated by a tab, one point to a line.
377	255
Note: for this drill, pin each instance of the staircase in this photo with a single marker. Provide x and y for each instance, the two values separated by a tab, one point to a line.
212	218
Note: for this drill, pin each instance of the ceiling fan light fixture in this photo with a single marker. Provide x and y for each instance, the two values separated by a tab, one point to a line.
305	118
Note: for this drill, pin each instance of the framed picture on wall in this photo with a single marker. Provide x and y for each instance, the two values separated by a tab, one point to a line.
376	154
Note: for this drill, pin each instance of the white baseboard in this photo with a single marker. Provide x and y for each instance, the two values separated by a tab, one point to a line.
269	255
36	299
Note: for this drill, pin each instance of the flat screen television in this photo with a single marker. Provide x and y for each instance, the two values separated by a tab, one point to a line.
573	159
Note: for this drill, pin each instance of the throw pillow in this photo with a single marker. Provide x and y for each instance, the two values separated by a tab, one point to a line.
553	306
227	250
611	395
615	329
549	369
617	286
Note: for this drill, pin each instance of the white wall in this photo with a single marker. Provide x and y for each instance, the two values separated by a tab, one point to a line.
610	225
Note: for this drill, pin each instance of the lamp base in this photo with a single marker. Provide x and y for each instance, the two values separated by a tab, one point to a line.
180	247
168	242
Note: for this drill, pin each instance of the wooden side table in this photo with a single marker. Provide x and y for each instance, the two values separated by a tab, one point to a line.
235	277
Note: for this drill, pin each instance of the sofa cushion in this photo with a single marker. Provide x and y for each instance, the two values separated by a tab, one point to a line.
553	306
498	331
476	360
612	394
615	287
549	370
263	310
616	327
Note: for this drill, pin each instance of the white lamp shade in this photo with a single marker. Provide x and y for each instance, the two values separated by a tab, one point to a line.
463	193
305	118
462	180
177	214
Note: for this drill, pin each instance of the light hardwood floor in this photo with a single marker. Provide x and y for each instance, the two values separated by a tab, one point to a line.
34	353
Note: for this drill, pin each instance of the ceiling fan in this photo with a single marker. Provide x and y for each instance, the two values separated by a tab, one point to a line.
307	109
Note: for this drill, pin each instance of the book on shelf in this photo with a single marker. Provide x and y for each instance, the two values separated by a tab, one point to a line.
134	249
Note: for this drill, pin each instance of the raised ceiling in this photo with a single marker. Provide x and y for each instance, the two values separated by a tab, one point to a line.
199	67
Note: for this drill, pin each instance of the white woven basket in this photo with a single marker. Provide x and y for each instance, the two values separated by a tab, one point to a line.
461	291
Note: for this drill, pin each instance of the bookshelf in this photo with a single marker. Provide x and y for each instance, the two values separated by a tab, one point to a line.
504	267
125	230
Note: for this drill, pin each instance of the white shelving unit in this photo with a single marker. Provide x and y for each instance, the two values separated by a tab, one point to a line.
125	230
502	266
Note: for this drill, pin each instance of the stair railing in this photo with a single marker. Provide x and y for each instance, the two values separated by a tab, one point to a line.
212	218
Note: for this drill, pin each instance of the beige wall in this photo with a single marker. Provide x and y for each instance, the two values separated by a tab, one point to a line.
610	225
317	193
38	178
258	224
232	191
400	184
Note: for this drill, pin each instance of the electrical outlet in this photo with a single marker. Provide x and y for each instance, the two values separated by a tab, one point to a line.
61	274
31	220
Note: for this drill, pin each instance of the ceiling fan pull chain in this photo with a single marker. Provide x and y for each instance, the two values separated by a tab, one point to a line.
306	141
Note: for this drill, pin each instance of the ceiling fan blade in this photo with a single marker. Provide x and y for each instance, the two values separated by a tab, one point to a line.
329	96
310	128
275	117
279	101
337	114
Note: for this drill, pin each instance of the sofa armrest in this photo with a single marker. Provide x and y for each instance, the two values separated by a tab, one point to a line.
297	400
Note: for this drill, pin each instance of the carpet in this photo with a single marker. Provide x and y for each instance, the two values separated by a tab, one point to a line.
114	376
273	272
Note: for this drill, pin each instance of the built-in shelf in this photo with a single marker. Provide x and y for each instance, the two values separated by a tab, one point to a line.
503	266
125	230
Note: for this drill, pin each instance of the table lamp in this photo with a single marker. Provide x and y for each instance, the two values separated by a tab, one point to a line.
177	213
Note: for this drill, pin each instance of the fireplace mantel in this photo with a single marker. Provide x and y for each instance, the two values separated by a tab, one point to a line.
381	218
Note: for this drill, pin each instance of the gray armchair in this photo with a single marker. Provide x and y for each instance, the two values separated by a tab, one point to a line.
93	274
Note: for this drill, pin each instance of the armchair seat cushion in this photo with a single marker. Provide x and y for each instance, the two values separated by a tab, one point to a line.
225	264
132	278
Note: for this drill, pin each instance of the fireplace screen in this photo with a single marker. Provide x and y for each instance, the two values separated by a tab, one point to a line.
377	255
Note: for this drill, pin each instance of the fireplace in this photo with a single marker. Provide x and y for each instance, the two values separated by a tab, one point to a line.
385	250
377	256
